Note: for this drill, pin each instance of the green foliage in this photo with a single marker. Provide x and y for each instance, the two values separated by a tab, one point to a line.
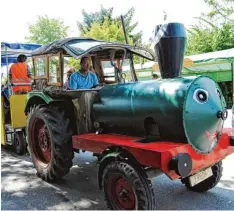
215	30
47	30
221	11
97	17
137	38
109	30
100	17
205	39
74	63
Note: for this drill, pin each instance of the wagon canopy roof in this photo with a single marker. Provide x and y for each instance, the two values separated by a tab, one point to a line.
78	47
10	51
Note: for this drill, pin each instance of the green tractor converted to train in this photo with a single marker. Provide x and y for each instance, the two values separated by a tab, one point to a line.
138	129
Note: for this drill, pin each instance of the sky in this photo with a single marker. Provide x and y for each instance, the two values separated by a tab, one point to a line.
17	15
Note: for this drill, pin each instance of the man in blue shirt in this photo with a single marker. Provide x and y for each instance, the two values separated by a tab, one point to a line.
83	79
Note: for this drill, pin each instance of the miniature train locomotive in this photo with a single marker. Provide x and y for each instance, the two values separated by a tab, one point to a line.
172	125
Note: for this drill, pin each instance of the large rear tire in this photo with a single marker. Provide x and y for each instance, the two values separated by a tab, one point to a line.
126	188
208	183
49	138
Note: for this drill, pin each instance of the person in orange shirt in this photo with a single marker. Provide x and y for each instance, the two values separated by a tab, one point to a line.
20	73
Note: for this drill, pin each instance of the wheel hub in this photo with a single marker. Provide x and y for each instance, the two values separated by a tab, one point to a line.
41	141
123	195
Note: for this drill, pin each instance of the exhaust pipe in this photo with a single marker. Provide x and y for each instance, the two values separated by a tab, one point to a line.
170	48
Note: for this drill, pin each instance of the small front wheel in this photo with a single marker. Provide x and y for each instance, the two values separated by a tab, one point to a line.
208	183
126	188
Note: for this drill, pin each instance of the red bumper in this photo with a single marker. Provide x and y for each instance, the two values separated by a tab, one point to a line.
155	154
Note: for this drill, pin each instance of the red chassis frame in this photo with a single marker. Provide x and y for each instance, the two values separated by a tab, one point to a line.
156	154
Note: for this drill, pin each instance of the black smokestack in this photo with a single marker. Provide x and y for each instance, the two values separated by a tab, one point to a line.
170	48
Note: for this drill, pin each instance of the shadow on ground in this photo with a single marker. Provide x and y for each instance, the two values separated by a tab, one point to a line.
22	189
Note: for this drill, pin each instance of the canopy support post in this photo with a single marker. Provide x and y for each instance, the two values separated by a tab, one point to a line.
133	73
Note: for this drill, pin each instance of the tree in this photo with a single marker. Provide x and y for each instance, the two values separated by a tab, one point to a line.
137	38
109	30
215	30
100	17
221	11
47	30
90	18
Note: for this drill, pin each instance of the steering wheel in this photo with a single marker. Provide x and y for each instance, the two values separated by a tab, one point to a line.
100	84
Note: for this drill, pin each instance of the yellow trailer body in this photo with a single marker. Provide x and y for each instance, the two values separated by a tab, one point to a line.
18	117
3	137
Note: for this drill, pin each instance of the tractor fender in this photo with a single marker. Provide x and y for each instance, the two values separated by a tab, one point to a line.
113	156
36	98
122	155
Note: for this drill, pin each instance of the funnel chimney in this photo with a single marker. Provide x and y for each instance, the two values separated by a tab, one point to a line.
170	48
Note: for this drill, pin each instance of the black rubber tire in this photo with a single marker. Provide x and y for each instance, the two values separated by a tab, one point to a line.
139	183
19	143
60	134
209	183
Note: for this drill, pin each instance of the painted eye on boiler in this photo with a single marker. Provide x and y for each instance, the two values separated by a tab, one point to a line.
201	96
